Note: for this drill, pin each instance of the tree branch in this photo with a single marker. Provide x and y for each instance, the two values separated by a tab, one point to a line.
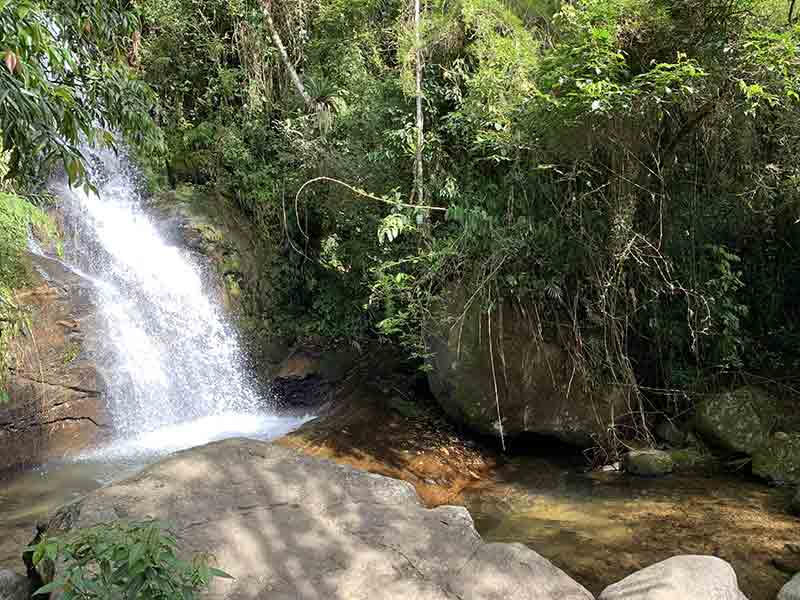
266	8
419	173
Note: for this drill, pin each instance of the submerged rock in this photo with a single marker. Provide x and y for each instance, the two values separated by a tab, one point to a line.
679	578
779	460
14	586
56	406
648	463
535	381
791	591
289	526
737	421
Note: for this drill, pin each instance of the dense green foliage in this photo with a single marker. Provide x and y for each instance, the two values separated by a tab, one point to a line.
122	560
628	167
66	80
624	170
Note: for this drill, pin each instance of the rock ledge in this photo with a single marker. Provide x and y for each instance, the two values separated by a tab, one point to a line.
289	526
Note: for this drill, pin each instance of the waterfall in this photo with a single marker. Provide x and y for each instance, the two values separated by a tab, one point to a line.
173	366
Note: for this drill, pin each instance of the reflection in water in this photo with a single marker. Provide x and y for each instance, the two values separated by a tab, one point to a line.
601	527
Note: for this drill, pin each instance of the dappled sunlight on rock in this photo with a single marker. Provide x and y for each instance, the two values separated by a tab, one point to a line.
288	526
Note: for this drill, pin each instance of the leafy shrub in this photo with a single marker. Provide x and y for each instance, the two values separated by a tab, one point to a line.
123	560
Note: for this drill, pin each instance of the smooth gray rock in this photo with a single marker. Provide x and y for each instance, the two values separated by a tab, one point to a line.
14	586
679	578
648	463
791	591
289	526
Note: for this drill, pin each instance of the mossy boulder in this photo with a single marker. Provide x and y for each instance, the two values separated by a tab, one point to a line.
648	463
693	459
533	376
737	421
778	461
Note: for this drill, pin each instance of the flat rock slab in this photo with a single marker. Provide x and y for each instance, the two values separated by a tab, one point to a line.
289	526
679	578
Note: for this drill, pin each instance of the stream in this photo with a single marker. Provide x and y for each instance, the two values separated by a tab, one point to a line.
601	527
176	378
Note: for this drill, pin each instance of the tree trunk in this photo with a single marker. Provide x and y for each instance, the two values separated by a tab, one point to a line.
791	11
419	172
266	8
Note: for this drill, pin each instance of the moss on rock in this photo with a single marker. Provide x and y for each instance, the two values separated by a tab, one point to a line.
737	421
648	463
779	460
693	459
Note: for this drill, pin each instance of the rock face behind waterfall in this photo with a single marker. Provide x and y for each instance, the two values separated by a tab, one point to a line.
56	405
289	526
539	389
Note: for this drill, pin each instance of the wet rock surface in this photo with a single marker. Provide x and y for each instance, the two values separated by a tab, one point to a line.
377	422
56	406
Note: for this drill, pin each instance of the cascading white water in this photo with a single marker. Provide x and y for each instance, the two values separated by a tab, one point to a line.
172	364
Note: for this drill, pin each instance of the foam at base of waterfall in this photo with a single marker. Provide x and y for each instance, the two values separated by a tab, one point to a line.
173	438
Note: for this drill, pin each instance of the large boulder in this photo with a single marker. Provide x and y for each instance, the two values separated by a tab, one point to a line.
778	460
680	577
14	586
56	406
739	421
648	463
289	526
536	382
790	591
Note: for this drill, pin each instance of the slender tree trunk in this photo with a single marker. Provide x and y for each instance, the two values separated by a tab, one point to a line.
791	11
266	8
136	45
419	172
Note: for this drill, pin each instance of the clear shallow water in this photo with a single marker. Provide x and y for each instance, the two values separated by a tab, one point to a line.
601	527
